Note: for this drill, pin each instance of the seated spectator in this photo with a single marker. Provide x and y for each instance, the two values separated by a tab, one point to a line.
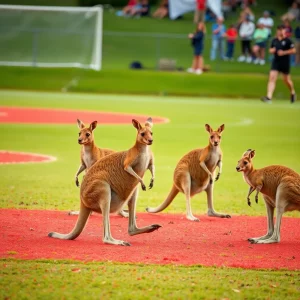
231	35
130	5
292	13
142	10
267	21
260	37
162	11
288	28
218	30
246	31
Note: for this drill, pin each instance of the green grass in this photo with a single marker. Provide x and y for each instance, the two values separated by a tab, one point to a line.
273	130
232	85
68	280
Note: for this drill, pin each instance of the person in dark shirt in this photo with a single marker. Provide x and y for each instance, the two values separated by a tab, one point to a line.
282	47
197	43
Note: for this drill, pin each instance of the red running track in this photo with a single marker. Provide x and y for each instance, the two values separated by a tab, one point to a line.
12	157
211	242
64	116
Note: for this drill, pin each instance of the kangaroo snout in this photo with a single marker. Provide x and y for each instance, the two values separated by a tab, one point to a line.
238	168
79	141
150	142
216	143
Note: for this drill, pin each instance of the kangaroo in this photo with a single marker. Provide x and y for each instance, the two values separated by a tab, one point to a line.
280	187
112	182
90	153
194	173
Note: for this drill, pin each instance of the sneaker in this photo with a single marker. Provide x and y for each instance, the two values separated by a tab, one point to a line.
262	62
241	58
256	61
293	98
249	59
198	71
190	70
266	99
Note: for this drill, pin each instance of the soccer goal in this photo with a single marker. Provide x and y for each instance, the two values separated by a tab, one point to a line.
51	36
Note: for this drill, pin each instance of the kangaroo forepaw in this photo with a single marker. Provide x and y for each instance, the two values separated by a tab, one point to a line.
249	201
218	176
143	186
151	184
211	181
77	182
256	199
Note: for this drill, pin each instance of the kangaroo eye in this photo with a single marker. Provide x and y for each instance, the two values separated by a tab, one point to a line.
79	134
87	134
211	136
143	134
151	133
245	162
220	137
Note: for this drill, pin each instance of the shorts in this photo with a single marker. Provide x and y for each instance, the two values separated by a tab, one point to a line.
198	51
282	67
261	44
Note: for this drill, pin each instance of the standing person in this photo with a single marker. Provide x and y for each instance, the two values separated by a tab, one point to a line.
267	21
260	38
282	47
246	31
231	35
297	36
199	15
218	30
197	43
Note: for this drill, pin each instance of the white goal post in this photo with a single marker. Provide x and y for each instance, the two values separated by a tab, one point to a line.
51	36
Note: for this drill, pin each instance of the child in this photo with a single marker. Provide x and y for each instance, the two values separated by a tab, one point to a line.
231	35
260	37
197	43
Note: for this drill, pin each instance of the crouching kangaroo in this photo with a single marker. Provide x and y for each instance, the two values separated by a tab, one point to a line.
89	153
194	173
280	187
112	182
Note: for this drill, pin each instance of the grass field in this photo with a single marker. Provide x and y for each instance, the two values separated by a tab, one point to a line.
273	130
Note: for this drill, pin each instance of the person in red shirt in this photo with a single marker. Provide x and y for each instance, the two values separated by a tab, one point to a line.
200	11
231	35
129	6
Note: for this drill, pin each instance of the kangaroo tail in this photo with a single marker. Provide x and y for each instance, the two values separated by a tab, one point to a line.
166	203
84	214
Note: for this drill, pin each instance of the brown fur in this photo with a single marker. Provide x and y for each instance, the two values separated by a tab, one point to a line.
280	187
194	173
90	153
112	182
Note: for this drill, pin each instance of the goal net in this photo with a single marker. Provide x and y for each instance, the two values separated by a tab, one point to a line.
51	36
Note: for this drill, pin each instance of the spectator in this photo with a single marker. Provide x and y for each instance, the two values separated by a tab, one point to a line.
231	35
288	28
162	11
218	30
292	13
142	9
267	21
200	11
246	31
246	13
260	38
197	43
297	36
130	5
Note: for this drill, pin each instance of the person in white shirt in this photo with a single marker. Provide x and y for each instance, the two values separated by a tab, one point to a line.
267	21
246	32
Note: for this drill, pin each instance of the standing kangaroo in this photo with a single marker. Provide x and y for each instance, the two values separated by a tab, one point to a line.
194	173
280	187
112	182
90	153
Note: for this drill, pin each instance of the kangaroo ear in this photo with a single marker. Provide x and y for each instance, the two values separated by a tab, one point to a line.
208	128
93	125
149	122
136	124
80	124
221	128
252	154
